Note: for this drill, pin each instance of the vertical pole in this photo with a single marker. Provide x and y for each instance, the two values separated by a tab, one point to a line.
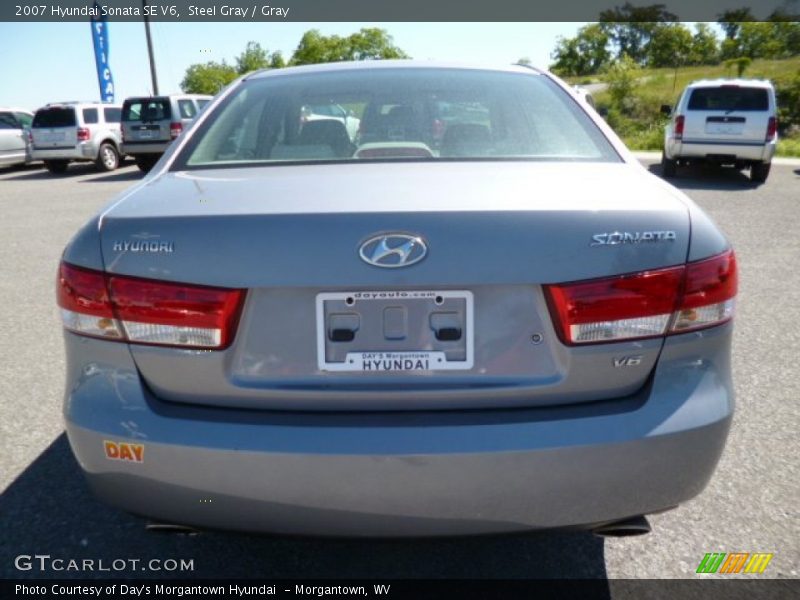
150	49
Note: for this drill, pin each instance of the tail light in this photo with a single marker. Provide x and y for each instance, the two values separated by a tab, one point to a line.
647	304
83	134
709	289
772	129
175	129
142	311
680	121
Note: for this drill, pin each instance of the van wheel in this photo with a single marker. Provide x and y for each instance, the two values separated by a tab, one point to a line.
107	158
669	168
145	163
759	172
56	166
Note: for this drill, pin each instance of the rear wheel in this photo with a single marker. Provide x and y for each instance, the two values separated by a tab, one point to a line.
669	167
146	162
759	172
56	166
107	157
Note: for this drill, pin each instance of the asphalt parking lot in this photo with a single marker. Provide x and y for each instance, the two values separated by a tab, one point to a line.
751	505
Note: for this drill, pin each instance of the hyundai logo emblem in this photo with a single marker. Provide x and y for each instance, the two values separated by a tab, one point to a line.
393	250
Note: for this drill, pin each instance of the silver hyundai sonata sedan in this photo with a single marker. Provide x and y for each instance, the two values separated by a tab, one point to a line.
475	313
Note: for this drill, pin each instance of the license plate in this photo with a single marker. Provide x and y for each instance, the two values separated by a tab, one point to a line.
57	136
395	331
145	134
724	128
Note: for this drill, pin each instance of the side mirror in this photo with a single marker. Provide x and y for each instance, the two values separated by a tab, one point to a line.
666	109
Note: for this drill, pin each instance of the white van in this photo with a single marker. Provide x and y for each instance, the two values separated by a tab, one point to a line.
723	121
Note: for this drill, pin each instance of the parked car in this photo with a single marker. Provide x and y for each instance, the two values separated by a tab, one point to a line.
278	330
15	146
63	132
723	121
150	123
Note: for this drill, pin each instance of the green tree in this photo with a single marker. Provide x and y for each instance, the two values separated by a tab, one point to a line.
585	54
276	61
208	78
366	44
731	21
567	58
253	58
372	43
670	46
631	27
705	47
621	77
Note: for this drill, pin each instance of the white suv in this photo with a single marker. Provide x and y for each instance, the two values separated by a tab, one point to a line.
68	131
723	121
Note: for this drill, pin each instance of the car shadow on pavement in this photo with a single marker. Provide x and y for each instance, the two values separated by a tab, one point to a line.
49	509
708	178
78	170
123	175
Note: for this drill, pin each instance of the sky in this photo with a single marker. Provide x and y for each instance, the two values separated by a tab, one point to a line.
50	62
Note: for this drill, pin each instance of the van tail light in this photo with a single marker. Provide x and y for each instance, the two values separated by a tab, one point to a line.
83	134
680	121
143	311
175	129
772	129
646	304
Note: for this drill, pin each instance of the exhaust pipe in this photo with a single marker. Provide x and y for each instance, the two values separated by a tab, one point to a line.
625	528
170	528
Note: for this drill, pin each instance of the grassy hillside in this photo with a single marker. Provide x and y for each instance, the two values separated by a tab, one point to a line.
641	126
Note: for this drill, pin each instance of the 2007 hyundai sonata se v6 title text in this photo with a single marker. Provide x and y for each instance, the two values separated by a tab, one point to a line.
474	312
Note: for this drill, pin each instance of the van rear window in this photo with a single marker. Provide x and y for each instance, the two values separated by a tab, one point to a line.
146	110
55	117
729	98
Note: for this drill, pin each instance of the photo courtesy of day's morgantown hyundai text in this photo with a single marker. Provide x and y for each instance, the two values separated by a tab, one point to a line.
396	299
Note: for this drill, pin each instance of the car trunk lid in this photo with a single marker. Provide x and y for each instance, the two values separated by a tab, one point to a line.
495	233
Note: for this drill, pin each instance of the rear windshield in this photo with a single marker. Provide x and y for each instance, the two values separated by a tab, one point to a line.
729	98
146	110
55	117
390	114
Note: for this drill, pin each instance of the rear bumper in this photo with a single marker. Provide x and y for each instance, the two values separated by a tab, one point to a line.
416	473
83	151
134	148
702	149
